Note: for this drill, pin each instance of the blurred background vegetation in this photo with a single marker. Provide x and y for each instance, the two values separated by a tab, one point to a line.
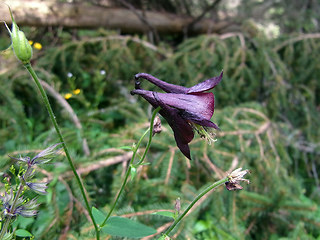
267	105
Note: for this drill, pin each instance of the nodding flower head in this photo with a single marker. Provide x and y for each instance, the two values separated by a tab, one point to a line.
235	178
185	109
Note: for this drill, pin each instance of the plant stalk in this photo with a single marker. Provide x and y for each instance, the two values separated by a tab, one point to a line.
204	192
54	121
131	162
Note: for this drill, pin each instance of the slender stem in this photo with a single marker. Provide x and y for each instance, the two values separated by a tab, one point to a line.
117	198
131	161
54	121
204	192
151	134
138	145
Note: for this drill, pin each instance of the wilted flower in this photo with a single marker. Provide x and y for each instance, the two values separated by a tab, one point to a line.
22	206
177	205
38	187
235	178
7	201
43	157
27	209
185	109
156	126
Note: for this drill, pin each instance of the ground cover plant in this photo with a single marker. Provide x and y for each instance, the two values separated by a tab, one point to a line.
266	107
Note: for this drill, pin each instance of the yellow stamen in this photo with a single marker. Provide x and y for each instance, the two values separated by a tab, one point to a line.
205	132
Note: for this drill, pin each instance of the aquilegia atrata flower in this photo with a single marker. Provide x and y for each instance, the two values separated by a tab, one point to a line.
185	109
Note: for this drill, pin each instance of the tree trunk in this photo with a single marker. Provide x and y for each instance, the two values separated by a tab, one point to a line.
83	15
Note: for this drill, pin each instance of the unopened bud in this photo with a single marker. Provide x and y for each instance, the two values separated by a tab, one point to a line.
156	126
177	206
20	43
133	172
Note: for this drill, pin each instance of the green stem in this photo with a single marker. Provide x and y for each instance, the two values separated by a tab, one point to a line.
150	134
131	161
54	121
204	192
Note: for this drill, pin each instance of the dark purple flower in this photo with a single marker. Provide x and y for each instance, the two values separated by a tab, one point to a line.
185	109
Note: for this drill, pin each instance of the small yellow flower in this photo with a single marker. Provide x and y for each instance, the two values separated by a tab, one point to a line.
30	42
76	91
68	95
37	45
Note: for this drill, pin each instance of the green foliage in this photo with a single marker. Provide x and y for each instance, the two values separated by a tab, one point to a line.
266	106
22	233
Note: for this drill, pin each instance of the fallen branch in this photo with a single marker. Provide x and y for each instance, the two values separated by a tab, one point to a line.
83	15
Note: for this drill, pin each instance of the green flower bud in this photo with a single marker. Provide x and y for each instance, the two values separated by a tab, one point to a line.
20	44
133	172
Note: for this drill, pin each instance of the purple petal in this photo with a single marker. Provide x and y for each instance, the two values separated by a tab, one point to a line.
206	85
183	132
201	105
147	95
204	123
184	148
167	87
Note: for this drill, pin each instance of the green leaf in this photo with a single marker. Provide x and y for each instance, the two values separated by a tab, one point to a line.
145	164
126	148
133	172
23	222
165	213
23	233
98	215
124	227
201	226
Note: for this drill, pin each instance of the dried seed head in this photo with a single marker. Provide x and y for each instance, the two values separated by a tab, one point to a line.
235	178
